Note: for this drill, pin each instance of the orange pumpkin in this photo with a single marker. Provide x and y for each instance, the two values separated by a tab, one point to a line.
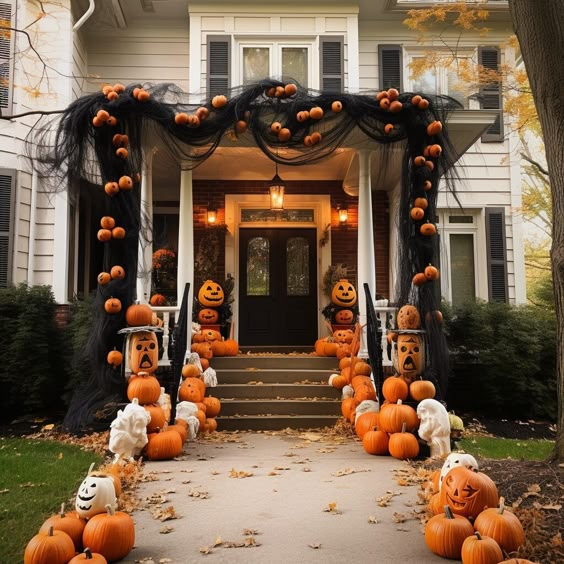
104	235
417	214
208	316
112	305
157	300
284	135
118	233
211	294
104	278
408	317
394	415
422	389
219	101
431	272
117	272
53	547
70	523
231	347
434	128
366	422
115	358
445	533
190	371
403	445
348	405
158	418
344	294
138	315
213	406
145	388
107	222
394	389
428	229
375	442
164	445
482	549
336	106
290	89
502	526
344	317
125	183
419	279
90	557
190	390
203	349
316	112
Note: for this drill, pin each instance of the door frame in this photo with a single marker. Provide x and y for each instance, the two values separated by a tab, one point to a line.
321	205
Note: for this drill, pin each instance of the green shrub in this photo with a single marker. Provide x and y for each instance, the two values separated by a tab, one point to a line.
503	360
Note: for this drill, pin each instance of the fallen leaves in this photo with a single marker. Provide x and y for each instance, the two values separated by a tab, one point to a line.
239	474
348	472
332	508
166	530
165	513
198	494
384	501
315	545
248	541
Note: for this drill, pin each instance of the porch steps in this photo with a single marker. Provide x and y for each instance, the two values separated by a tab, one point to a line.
270	391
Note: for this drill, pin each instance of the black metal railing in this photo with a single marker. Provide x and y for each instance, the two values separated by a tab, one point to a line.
374	342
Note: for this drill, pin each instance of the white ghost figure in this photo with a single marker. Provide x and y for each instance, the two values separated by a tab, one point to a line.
366	406
210	378
193	427
185	409
434	427
128	431
348	392
164	402
457	459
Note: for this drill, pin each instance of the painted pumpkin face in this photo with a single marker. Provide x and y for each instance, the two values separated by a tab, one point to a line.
144	352
344	317
343	294
408	317
93	495
208	316
410	355
211	294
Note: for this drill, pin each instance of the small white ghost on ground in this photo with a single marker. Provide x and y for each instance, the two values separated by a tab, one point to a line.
210	377
434	428
457	459
193	427
128	431
347	391
365	407
164	402
185	409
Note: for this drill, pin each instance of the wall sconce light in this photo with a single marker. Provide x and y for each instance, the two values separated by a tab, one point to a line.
212	216
343	214
276	191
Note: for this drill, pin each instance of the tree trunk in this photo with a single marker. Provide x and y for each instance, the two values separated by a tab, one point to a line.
539	27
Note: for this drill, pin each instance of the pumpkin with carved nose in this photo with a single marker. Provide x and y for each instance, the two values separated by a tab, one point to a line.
344	294
410	355
144	352
211	294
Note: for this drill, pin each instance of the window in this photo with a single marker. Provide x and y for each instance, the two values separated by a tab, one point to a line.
297	266
258	269
6	58
7	181
462	268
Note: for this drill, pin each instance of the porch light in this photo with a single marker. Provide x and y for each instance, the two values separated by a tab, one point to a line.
212	216
343	214
276	190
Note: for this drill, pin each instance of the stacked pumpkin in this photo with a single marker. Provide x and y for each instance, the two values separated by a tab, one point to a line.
193	390
471	521
208	339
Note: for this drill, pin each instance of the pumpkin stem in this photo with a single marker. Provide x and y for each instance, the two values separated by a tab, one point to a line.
110	509
403	427
448	512
88	553
62	514
399	402
51	531
478	535
501	505
91	466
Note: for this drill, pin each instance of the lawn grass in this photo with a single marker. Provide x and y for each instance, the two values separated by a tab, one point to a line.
495	447
35	478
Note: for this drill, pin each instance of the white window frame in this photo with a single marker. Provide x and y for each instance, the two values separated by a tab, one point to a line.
275	59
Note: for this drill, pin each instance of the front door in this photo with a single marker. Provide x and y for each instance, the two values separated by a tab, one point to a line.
277	293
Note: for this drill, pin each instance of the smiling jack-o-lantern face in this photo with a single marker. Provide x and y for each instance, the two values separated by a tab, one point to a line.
144	352
410	355
343	294
344	317
93	495
343	336
208	316
211	294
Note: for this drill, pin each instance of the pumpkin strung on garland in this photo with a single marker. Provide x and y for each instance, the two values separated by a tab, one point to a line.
143	353
71	523
211	294
144	387
468	492
344	294
445	533
115	358
111	534
112	306
90	557
53	547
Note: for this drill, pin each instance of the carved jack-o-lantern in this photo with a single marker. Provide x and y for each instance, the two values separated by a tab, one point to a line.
344	317
211	294
343	294
409	355
93	495
208	316
342	336
143	352
408	317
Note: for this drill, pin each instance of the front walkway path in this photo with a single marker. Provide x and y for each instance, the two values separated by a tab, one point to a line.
285	506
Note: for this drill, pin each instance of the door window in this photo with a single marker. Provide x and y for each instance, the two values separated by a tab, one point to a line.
258	269
297	266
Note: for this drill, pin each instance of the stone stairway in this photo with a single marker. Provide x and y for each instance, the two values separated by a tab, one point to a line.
275	391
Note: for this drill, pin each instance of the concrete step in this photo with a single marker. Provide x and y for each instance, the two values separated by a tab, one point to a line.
292	362
271	375
275	422
269	406
275	391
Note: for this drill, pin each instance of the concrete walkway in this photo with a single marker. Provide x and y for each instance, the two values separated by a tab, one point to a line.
283	507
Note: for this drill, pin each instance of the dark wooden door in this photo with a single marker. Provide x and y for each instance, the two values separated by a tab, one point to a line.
277	292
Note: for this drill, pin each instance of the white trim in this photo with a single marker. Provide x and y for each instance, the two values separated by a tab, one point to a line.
195	73
321	204
185	271
351	56
145	248
32	228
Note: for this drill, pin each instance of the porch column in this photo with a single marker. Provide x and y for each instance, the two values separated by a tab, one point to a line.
185	242
145	254
365	244
394	202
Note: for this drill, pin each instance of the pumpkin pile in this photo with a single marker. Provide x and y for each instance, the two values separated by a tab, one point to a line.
470	520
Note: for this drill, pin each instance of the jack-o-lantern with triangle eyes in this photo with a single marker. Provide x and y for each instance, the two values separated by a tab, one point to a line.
143	352
344	317
211	294
344	294
410	355
208	316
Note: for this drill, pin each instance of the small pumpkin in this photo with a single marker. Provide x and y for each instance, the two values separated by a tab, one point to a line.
419	279
117	272
394	389
445	533
53	547
104	278
115	358
344	317
396	107
428	229
191	390
71	523
284	135
90	557
431	272
348	405
375	442
104	235
211	294
138	315
203	349
325	348
344	294
107	222
158	418
434	128
164	445
157	300
388	128
403	445
219	101
480	549
231	347
366	422
422	389
336	106
208	316
190	371
145	388
125	183
112	306
408	317
118	233
417	214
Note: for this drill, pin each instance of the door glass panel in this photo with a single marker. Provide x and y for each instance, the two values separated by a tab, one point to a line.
258	271
297	266
256	64
294	64
462	268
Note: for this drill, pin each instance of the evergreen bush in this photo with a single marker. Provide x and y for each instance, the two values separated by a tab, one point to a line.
503	360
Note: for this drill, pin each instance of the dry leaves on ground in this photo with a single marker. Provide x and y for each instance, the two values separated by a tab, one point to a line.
239	474
348	472
165	513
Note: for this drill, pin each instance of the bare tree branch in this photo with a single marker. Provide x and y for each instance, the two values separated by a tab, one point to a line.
535	164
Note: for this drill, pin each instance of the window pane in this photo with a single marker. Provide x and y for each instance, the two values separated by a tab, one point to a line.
289	216
256	64
462	268
426	83
294	64
297	266
456	88
258	275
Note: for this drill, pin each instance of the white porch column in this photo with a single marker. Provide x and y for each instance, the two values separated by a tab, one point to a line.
185	261
394	202
61	252
145	260
365	243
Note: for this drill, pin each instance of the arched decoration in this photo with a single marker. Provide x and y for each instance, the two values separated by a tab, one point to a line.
97	145
258	267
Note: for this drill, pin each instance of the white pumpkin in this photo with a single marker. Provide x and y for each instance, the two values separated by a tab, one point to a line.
93	495
455	459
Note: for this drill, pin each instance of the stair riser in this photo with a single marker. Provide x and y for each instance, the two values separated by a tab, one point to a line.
275	391
274	423
280	407
267	376
277	362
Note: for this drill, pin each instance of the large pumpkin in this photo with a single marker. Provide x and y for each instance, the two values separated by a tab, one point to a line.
164	445
467	492
145	388
403	445
211	294
70	523
208	316
344	294
143	352
410	355
394	415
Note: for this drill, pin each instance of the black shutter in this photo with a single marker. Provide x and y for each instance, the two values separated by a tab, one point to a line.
7	178
331	64
219	62
390	66
6	57
490	94
497	255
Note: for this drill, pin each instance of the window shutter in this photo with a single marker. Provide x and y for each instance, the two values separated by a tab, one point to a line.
7	178
497	259
219	62
390	66
6	57
332	76
490	94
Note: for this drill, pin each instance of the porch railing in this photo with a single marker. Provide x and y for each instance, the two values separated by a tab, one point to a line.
169	315
385	315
